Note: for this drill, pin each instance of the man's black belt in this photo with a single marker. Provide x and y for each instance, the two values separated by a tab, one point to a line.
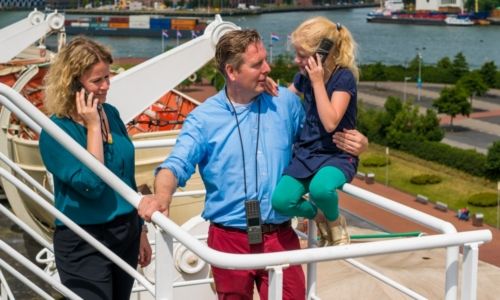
266	228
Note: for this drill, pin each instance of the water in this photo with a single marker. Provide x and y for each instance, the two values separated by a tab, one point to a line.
387	43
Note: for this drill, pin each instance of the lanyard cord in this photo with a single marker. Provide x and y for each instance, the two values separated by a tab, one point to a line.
105	132
243	151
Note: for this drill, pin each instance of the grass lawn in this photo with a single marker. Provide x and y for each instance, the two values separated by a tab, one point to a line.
454	189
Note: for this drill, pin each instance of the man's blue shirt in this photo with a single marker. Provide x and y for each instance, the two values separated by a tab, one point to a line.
210	139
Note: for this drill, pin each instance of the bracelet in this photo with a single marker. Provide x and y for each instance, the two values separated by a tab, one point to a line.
145	228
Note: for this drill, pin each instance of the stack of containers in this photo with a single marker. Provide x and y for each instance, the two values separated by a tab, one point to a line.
118	22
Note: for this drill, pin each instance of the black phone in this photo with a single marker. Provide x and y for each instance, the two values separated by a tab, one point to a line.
77	86
324	48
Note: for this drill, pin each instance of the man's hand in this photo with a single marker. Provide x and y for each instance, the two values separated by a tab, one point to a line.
351	141
150	204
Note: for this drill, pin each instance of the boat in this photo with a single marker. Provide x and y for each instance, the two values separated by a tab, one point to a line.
408	18
182	259
455	21
393	12
135	25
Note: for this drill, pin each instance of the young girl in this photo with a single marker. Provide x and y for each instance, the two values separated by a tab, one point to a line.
318	166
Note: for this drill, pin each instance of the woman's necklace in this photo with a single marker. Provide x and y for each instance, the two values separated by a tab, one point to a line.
107	137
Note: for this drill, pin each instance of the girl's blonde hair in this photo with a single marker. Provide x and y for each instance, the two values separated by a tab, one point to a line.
63	78
343	53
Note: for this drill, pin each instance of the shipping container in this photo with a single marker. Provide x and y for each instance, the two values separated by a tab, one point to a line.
160	23
118	20
141	22
183	24
117	25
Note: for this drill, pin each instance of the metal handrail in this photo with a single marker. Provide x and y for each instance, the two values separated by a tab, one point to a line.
238	261
78	230
24	280
40	273
26	177
451	282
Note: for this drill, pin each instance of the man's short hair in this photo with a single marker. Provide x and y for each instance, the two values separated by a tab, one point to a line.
232	46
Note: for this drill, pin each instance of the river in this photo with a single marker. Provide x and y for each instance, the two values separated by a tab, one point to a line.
386	43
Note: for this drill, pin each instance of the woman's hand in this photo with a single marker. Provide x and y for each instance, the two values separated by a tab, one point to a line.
271	87
86	107
315	69
145	251
351	141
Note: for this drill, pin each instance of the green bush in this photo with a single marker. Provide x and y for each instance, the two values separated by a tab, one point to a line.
469	161
375	161
483	200
425	179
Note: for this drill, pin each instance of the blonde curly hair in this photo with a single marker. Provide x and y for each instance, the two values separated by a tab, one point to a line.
63	78
309	34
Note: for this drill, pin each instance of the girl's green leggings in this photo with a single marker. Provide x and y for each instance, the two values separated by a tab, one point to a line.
322	187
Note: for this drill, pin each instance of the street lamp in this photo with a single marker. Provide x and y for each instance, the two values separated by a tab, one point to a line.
419	79
404	88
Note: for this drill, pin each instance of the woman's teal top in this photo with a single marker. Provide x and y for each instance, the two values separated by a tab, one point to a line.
79	193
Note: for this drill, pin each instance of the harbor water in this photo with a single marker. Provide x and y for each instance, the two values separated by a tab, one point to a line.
386	43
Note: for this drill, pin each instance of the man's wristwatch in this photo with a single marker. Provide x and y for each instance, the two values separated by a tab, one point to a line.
145	228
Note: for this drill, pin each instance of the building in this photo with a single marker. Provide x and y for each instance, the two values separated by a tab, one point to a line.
440	5
16	4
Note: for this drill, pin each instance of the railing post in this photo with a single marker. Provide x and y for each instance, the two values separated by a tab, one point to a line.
276	282
311	267
451	273
469	271
5	292
164	265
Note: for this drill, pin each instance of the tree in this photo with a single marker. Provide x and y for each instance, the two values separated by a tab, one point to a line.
493	161
489	73
410	125
283	70
429	127
460	66
484	5
444	63
452	102
473	84
378	73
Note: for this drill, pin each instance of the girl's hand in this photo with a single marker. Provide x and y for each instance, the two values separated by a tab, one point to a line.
271	87
315	70
86	108
145	251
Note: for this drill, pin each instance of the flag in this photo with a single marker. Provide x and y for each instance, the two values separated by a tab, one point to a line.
179	34
193	34
275	37
164	33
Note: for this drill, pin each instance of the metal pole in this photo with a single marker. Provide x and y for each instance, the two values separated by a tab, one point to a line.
419	81
386	166
404	87
498	204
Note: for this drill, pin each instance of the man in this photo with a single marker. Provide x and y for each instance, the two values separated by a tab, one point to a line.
241	139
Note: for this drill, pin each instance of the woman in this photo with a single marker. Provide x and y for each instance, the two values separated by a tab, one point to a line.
325	55
75	96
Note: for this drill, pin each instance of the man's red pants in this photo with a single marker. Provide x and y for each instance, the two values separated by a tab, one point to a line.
239	284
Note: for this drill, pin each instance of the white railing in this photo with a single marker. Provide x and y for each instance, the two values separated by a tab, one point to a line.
275	262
